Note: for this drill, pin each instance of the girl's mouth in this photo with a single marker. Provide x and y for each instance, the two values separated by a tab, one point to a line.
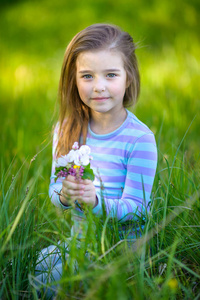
100	98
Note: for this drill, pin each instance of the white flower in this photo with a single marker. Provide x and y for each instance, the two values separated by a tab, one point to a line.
62	161
77	158
71	155
75	146
85	159
84	149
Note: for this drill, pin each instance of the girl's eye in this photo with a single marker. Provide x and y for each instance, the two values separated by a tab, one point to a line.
87	76
111	75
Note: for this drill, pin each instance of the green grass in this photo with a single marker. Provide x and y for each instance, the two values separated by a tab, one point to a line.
162	264
165	262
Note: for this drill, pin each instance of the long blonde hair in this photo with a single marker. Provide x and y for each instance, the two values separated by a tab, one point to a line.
94	37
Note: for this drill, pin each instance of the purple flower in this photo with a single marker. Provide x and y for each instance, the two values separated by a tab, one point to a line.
62	173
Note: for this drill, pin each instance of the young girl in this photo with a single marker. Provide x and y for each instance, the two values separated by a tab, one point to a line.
99	79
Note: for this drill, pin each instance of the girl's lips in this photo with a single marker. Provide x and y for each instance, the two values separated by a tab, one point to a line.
100	98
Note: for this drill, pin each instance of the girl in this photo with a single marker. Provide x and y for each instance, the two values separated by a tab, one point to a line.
99	79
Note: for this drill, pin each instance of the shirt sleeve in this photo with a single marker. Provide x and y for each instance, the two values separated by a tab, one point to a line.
141	168
55	187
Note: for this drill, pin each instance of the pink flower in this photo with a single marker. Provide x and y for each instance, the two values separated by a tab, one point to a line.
75	146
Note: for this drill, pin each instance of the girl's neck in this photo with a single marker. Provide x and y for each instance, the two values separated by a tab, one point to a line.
101	123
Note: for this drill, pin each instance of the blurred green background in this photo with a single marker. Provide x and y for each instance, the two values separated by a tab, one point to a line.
34	35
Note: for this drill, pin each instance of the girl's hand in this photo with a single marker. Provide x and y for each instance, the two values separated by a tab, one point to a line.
83	191
89	193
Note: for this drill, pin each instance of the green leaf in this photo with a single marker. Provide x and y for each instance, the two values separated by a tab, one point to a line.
88	173
58	169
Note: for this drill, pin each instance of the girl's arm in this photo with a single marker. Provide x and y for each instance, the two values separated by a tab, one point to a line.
55	188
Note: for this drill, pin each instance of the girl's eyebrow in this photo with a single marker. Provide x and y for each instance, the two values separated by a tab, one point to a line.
112	70
85	71
107	70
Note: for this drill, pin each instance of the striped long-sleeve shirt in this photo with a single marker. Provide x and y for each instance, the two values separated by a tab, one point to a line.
124	161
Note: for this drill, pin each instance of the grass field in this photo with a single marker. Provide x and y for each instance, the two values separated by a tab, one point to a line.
165	262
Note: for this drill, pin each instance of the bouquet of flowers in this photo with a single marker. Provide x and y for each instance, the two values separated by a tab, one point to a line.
75	163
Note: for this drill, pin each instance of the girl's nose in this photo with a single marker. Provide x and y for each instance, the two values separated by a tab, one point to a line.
99	86
99	90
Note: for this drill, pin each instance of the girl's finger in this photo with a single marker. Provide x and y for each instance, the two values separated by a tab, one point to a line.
86	181
73	179
72	192
73	185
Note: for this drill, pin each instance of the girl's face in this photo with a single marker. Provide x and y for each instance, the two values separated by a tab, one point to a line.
101	81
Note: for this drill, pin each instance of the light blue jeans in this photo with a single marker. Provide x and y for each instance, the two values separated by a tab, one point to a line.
48	270
49	266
